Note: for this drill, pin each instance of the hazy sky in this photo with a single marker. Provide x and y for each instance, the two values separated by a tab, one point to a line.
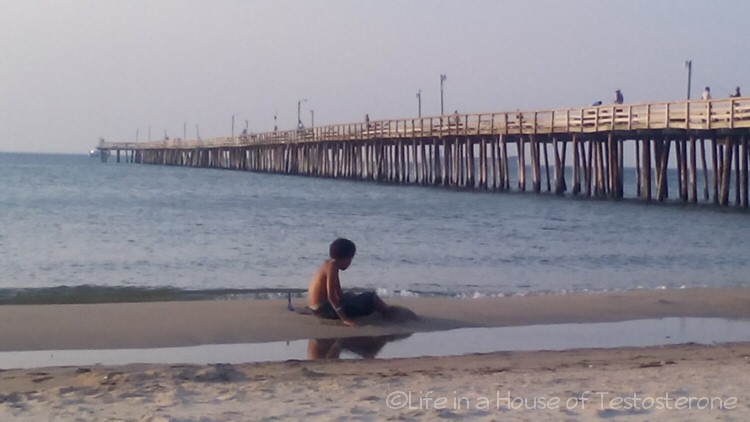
73	71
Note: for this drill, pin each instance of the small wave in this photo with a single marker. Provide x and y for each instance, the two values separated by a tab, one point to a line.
89	294
85	294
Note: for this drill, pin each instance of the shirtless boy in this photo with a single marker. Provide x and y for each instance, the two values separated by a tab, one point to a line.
325	297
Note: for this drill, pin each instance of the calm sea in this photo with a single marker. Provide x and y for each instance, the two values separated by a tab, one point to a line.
76	230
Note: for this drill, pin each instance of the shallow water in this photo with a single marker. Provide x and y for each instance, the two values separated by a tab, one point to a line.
636	333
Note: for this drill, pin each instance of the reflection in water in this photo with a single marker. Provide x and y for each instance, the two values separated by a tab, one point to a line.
364	347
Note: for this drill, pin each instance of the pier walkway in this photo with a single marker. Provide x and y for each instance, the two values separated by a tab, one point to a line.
500	151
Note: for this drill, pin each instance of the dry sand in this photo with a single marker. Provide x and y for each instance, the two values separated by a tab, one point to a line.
685	382
671	383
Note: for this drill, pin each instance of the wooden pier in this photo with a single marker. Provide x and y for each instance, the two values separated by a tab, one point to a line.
577	150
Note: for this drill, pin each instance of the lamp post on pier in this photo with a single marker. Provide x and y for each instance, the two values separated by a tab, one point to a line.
419	103
233	125
689	66
312	118
442	79
299	113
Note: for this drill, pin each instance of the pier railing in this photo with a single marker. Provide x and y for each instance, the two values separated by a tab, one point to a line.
696	115
476	151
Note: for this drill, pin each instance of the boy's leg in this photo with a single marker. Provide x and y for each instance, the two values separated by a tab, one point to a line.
358	305
363	304
381	306
393	312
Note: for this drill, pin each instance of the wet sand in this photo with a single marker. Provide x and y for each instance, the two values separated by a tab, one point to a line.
176	324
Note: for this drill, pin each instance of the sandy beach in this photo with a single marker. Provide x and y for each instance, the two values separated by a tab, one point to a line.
677	382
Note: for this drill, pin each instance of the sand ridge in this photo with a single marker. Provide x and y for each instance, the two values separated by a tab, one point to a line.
176	324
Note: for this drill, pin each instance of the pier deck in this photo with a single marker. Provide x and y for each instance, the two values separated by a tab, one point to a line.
475	151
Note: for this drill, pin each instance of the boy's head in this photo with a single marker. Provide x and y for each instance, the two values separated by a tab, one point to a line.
342	249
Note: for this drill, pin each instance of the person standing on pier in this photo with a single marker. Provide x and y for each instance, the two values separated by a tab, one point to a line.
736	93
618	97
706	94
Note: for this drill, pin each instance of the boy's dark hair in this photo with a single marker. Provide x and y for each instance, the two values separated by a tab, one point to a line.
342	248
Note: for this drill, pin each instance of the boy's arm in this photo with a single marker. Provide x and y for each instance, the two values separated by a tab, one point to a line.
335	294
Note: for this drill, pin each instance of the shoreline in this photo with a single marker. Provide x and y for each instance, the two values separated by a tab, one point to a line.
180	324
97	294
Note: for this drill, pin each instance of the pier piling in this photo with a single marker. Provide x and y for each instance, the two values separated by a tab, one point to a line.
476	151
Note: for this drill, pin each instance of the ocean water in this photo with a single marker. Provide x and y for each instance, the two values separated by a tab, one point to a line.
76	230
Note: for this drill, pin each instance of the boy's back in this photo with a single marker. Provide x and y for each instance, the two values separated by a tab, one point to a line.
317	292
